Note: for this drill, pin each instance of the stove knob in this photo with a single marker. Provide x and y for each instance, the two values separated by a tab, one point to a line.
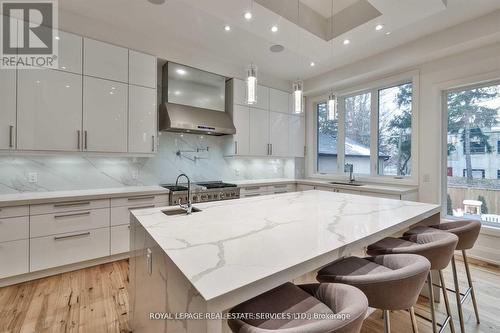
195	198
222	195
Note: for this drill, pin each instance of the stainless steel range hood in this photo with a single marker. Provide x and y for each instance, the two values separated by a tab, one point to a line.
189	119
193	102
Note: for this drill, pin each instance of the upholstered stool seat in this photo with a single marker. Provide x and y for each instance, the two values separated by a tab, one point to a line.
390	282
438	247
467	232
325	298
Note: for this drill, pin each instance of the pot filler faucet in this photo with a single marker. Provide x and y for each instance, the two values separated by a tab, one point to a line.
349	167
188	207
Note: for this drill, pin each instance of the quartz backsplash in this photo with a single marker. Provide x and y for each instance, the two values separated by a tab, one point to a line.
178	153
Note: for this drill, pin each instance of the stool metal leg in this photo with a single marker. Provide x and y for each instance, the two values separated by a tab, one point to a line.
387	322
473	294
431	301
446	303
413	320
457	295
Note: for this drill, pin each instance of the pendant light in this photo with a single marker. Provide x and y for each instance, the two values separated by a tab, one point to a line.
252	84
298	86
332	99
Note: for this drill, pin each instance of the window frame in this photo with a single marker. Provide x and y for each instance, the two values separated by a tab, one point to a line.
372	87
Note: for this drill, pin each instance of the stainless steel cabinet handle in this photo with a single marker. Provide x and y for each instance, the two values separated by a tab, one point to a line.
252	195
235	147
149	261
141	198
78	135
11	136
268	149
141	207
252	188
72	236
85	140
153	147
71	215
271	145
70	204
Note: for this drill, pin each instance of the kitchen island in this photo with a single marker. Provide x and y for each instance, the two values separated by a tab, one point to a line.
231	251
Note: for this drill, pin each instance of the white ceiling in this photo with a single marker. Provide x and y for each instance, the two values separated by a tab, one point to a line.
191	31
324	7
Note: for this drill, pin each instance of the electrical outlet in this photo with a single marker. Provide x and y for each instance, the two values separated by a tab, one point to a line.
33	177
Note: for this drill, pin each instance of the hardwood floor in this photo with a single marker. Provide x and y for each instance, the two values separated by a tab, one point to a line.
95	300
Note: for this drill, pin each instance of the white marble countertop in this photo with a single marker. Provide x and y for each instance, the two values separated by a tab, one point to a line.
32	198
366	187
232	244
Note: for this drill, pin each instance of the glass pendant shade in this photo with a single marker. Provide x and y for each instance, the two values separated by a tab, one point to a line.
252	85
332	107
298	93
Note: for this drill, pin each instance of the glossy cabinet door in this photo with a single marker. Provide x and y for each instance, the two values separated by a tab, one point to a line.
104	115
69	52
240	142
239	92
259	132
279	101
296	135
142	69
262	98
105	61
7	109
142	133
49	110
278	134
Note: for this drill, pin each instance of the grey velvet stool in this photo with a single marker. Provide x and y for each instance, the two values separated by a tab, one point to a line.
390	282
325	298
438	248
467	232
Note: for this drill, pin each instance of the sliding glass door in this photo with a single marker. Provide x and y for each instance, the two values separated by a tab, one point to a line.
473	146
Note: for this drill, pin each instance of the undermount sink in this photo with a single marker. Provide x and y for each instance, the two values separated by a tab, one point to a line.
179	211
347	183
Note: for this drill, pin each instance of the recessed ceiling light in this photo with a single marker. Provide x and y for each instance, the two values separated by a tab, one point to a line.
227	28
388	33
180	71
312	64
379	27
274	28
248	15
57	38
277	48
347	41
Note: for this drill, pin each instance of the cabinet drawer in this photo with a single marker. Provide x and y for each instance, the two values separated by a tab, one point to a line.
52	224
120	239
14	228
14	258
139	200
121	215
69	206
64	249
254	189
14	211
282	188
301	187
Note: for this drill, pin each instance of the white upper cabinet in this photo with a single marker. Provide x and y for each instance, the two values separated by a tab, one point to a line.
142	120
278	134
262	98
279	101
105	60
240	96
49	110
142	69
296	135
104	115
7	108
69	52
239	144
259	132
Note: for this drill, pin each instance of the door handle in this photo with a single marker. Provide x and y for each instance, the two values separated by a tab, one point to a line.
235	147
271	145
11	136
78	135
71	215
72	236
149	261
153	147
85	139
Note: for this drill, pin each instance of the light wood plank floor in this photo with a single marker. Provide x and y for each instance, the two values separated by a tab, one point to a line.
96	300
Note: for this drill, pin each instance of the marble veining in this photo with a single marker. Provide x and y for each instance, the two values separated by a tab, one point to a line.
231	244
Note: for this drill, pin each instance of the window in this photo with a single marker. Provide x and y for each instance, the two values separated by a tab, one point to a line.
326	140
473	131
357	132
394	130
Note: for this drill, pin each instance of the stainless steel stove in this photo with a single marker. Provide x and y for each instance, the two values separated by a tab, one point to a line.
203	192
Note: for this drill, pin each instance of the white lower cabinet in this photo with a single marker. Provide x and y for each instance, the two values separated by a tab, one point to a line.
69	248
105	121
120	239
14	228
14	258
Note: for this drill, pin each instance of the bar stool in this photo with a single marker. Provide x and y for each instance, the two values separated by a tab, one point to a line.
467	232
390	282
438	248
325	300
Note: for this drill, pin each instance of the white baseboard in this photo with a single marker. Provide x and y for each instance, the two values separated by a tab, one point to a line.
62	269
